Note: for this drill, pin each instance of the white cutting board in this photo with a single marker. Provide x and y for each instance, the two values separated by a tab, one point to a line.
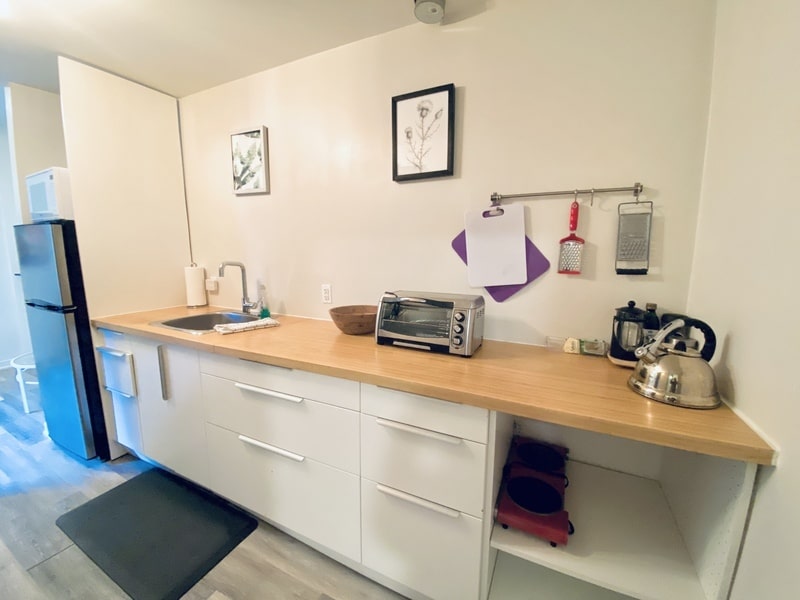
496	247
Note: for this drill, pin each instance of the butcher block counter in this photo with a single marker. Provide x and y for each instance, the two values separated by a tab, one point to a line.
584	392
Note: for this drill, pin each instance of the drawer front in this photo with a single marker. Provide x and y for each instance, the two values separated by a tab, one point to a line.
469	422
126	422
329	390
432	550
441	468
322	432
309	498
118	373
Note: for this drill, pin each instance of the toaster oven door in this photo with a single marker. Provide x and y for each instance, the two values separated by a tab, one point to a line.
418	321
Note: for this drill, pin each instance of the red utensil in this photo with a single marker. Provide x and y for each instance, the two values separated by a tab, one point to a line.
571	247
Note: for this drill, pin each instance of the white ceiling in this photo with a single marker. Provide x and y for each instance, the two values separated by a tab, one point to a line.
182	46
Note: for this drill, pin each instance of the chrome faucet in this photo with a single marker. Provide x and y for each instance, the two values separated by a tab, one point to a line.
246	304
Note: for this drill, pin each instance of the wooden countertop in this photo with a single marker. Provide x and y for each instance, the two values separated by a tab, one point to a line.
584	392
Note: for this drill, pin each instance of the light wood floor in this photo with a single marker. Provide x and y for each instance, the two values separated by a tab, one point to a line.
39	482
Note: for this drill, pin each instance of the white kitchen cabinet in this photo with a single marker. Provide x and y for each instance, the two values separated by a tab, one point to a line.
461	420
170	407
285	444
443	468
423	465
325	433
301	494
118	377
401	487
303	384
433	549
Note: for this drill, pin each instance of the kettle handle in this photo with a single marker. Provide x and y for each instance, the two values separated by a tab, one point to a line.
710	344
648	352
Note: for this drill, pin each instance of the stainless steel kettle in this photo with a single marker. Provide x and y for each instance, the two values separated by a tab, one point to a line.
674	371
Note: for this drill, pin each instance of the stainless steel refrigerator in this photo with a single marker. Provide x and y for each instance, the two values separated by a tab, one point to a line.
52	284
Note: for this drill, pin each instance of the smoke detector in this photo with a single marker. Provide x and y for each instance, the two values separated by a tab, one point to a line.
429	11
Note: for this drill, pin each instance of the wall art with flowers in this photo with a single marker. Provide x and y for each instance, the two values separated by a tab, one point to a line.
250	158
423	133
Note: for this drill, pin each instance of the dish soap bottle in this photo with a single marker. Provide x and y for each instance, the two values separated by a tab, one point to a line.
651	323
262	300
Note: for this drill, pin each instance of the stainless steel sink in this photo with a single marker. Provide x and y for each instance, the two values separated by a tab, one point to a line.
205	322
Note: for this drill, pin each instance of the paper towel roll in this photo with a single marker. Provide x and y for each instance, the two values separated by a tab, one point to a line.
195	286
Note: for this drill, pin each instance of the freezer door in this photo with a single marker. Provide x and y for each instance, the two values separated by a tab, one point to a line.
43	264
61	385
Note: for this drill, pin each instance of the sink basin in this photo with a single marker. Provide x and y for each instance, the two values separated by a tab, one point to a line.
205	322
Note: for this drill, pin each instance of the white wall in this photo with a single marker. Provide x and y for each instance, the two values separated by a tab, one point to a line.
127	190
11	340
32	140
744	275
38	136
550	96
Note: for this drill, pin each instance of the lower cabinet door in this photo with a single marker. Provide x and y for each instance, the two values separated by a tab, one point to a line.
126	421
308	497
428	547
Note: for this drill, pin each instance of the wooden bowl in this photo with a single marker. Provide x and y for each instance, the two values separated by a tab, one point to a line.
355	319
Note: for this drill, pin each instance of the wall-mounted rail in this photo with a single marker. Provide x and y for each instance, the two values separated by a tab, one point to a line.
636	189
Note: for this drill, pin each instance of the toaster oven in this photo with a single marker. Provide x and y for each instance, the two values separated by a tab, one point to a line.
448	323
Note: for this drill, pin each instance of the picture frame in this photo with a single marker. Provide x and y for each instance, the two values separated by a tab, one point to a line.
250	161
423	133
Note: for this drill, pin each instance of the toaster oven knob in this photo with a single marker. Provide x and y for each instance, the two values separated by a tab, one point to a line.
457	340
459	316
458	328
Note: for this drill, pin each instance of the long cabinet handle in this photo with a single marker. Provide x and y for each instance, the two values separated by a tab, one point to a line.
273	449
270	393
162	372
434	435
416	500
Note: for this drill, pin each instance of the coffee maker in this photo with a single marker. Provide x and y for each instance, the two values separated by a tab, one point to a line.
631	328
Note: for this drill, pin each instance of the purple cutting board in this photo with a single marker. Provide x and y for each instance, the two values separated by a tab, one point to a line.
536	262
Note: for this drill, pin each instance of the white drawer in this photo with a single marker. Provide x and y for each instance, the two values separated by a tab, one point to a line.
330	390
429	548
309	498
118	374
127	424
325	433
469	422
441	468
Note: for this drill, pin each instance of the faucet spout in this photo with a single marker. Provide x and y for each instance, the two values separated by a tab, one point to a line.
246	304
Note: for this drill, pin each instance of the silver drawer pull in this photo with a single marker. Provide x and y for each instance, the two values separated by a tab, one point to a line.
273	449
123	394
111	351
416	500
270	393
434	435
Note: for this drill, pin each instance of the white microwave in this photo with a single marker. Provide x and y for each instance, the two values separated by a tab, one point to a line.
49	195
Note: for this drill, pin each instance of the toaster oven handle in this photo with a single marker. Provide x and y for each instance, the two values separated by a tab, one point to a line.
399	300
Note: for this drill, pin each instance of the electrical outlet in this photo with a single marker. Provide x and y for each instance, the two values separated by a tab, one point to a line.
327	298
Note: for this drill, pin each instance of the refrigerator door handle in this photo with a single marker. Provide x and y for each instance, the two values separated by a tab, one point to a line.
42	305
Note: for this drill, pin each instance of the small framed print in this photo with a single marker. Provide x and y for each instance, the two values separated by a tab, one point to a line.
250	160
423	133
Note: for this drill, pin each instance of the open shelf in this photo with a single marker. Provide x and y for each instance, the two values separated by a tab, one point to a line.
625	539
517	579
